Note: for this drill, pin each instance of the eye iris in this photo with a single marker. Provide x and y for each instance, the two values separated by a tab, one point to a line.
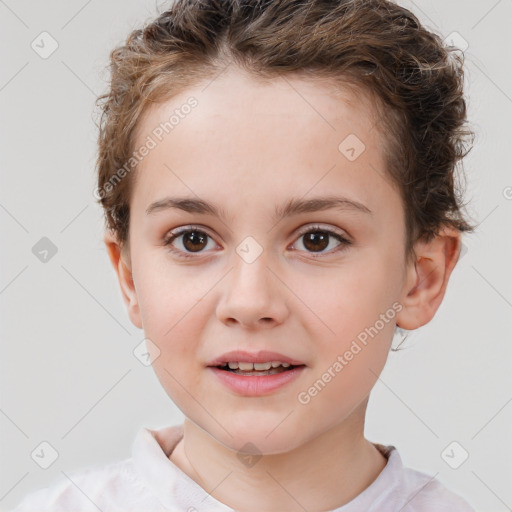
316	236
195	238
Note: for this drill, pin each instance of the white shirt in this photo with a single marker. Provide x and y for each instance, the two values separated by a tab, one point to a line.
149	481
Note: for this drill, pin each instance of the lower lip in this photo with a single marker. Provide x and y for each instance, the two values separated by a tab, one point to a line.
250	385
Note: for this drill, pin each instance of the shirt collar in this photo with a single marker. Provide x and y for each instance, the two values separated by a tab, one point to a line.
174	488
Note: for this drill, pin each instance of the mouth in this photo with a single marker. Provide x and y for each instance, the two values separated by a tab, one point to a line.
256	369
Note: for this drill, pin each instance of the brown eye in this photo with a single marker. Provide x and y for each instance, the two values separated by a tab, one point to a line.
316	239
192	240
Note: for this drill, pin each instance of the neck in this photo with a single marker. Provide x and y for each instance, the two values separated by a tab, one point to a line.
323	474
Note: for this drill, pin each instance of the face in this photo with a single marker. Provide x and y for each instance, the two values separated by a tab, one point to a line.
307	285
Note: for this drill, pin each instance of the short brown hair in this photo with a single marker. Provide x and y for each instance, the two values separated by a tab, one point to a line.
375	45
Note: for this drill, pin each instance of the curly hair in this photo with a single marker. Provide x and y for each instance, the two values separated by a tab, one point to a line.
376	46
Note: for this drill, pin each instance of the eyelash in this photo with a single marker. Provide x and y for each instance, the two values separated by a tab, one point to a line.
173	235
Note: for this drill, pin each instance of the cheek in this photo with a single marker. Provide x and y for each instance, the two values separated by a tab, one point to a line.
176	330
171	318
166	295
358	320
347	300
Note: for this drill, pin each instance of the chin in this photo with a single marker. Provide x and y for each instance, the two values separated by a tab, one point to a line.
264	439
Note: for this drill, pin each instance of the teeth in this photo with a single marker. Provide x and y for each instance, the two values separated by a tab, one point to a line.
262	366
235	365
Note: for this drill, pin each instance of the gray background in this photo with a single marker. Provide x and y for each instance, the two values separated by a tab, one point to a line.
68	375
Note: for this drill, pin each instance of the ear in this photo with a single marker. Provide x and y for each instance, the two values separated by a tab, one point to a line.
427	278
120	260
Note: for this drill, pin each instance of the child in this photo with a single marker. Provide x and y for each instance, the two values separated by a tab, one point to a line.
311	147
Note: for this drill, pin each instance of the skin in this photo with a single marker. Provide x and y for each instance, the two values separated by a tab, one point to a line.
277	140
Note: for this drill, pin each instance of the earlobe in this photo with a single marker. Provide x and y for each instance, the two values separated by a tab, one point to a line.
428	278
122	266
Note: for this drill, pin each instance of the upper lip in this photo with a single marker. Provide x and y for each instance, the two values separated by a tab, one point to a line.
262	356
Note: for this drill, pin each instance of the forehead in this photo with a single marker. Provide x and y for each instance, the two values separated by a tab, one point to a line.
277	138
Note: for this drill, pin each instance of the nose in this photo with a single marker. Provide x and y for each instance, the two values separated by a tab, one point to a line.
253	296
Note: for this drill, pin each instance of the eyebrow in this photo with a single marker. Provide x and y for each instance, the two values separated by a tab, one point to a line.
294	206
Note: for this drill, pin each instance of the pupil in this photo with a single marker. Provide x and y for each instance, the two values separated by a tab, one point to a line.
195	237
316	236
